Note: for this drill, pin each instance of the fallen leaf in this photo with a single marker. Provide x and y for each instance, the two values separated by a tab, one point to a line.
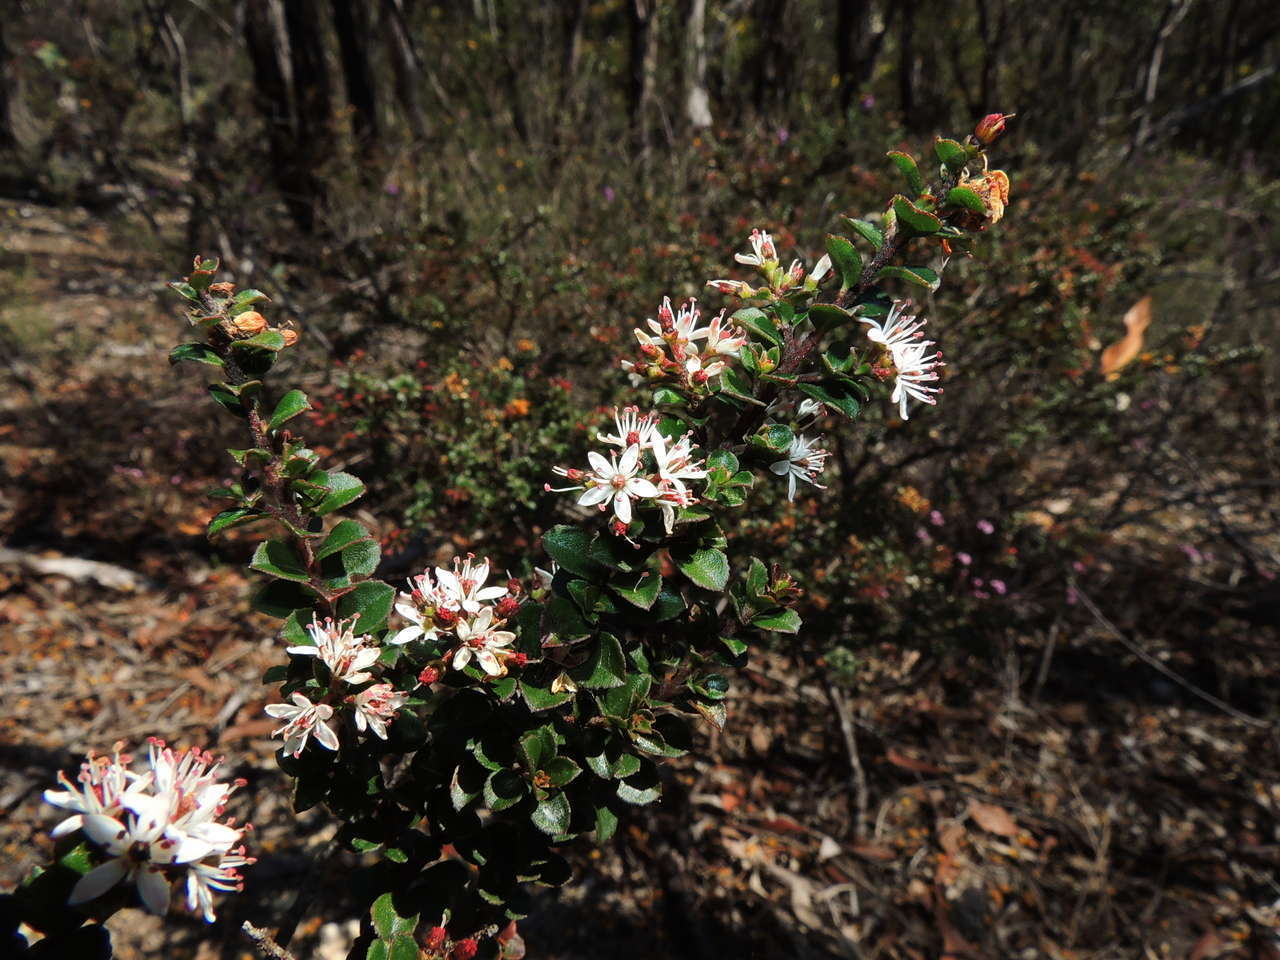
1129	346
993	819
900	759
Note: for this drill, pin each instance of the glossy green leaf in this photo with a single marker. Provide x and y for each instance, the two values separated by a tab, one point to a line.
639	591
920	276
245	299
952	154
641	787
541	698
773	437
827	317
784	621
708	568
907	167
278	558
184	290
291	404
919	222
964	197
344	533
279	598
836	399
199	352
387	922
343	489
272	340
606	666
867	231
606	824
571	548
371	601
223	396
404	947
758	322
846	260
235	517
503	789
561	771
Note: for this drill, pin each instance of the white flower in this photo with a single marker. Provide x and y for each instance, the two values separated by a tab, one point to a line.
913	359
463	587
613	481
724	338
698	372
808	408
375	706
480	639
633	429
138	851
302	720
675	464
347	656
102	783
188	797
820	271
917	365
204	878
420	625
804	462
733	288
763	250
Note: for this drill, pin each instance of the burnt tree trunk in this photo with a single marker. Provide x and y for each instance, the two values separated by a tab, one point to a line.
351	24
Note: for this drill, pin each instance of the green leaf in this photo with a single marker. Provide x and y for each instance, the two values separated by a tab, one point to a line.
757	577
774	437
827	316
538	747
552	815
271	340
868	232
199	352
404	947
571	548
223	395
722	459
709	568
291	404
561	771
735	646
759	323
836	399
184	290
466	784
784	621
664	396
920	276
354	562
845	259
640	593
606	824
371	601
919	222
387	922
279	559
964	197
279	598
953	155
245	299
343	488
734	382
234	517
641	787
504	788
907	166
606	666
344	533
541	698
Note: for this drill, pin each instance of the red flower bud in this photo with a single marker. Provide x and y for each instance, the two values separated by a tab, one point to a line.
465	949
990	128
507	607
514	586
618	528
428	676
520	659
446	617
436	938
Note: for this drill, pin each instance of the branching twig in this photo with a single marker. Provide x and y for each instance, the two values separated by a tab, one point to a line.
265	944
857	775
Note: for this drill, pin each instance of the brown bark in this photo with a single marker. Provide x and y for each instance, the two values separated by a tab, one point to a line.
858	46
351	24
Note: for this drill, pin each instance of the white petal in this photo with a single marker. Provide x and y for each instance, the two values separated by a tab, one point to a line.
406	635
630	457
622	507
328	739
599	464
105	831
282	711
306	651
781	467
491	593
488	663
97	881
461	658
640	487
595	495
154	890
190	848
448	580
501	638
66	826
409	612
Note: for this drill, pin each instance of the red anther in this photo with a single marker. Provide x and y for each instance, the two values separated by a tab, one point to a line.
465	949
701	377
428	676
520	659
507	607
618	528
436	938
514	585
446	617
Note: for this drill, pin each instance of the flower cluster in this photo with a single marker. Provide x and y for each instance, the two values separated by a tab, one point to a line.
155	827
779	282
670	349
661	478
456	602
805	460
348	657
909	356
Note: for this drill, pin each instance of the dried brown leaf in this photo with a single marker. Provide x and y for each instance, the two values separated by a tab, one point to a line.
993	819
1129	346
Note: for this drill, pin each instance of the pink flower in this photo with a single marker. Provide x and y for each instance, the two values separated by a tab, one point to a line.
482	641
375	706
303	719
347	656
986	527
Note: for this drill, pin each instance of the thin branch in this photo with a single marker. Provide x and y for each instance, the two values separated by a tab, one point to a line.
265	944
1155	663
